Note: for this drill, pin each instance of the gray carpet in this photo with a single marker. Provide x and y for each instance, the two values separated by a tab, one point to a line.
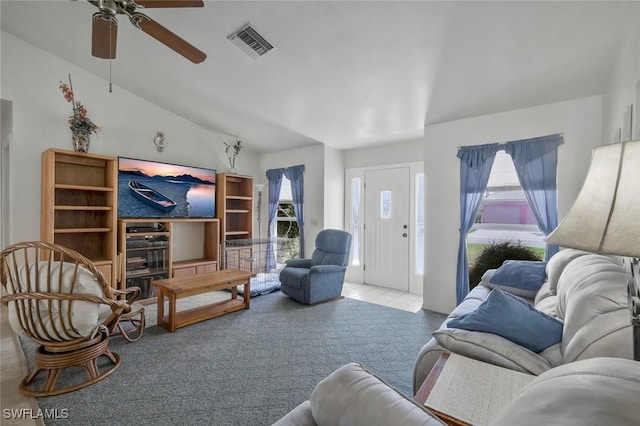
246	368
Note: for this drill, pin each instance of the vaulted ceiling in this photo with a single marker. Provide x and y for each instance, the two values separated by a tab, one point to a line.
347	74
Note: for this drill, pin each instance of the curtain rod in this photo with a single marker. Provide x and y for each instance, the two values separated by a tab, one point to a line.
517	140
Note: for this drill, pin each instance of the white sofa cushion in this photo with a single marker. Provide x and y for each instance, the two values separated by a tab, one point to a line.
354	396
83	315
299	416
597	391
557	263
491	348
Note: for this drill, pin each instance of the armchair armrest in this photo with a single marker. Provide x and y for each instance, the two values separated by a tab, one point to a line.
299	263
324	269
130	293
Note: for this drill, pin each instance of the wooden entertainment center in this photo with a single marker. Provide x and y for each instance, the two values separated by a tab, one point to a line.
79	197
145	251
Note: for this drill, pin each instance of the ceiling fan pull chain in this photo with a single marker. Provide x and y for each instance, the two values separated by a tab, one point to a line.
110	49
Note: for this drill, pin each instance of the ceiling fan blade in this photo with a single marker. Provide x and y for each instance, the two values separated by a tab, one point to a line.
169	3
167	37
104	35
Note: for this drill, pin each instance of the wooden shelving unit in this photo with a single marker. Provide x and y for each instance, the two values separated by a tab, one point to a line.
78	205
234	206
146	251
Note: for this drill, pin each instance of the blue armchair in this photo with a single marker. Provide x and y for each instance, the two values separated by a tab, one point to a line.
320	278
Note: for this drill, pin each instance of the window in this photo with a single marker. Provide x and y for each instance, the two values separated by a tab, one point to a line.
504	213
419	227
286	223
355	221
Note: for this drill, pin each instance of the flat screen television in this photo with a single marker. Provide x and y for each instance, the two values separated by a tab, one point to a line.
152	189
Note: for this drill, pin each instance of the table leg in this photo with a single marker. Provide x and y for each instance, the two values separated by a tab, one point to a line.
160	303
234	292
247	293
172	313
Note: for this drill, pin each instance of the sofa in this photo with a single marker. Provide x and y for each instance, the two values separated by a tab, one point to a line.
585	293
596	391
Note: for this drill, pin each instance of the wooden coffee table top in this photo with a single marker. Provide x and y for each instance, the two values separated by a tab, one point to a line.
196	282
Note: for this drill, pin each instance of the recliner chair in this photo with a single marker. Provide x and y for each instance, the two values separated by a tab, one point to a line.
320	278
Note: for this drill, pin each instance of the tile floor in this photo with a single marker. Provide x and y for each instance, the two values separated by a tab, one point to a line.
13	364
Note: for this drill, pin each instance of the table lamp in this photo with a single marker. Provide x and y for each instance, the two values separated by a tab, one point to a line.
605	217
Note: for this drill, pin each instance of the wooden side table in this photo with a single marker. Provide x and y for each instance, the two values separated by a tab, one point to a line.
462	391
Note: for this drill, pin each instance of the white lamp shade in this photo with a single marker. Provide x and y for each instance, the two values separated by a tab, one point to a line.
606	215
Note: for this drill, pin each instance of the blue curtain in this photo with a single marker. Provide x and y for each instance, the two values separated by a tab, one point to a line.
475	167
536	163
295	175
274	176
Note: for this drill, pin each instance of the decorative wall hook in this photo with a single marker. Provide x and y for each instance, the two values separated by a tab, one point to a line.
160	141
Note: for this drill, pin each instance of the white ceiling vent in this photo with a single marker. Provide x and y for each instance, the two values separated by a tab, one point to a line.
249	40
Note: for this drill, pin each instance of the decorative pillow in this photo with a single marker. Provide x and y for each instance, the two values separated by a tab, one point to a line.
520	277
514	319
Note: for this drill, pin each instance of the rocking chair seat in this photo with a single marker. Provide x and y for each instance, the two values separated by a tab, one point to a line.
55	296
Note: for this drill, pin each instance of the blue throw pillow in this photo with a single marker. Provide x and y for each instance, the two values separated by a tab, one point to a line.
514	319
520	277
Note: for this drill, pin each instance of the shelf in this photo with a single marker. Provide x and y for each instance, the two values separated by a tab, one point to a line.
78	205
194	315
133	274
193	262
83	187
84	208
80	230
235	206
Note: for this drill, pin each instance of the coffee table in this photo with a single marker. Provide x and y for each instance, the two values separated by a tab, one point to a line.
177	288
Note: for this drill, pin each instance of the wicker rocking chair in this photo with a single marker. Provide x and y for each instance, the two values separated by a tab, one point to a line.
60	300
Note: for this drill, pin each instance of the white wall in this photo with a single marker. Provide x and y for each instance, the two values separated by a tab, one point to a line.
30	79
6	126
391	153
333	188
622	87
313	159
580	122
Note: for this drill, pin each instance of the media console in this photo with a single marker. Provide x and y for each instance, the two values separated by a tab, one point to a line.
146	252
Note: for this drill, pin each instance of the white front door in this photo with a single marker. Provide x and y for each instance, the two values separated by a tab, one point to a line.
386	233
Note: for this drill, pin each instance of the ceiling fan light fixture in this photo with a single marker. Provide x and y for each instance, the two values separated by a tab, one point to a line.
250	41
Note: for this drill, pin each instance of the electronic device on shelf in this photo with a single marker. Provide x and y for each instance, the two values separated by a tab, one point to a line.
153	189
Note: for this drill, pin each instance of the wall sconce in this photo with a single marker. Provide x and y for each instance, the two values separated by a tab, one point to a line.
160	141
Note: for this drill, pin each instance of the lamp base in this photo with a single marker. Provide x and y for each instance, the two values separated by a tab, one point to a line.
633	296
635	323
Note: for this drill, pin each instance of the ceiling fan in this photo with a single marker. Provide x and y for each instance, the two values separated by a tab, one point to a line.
105	26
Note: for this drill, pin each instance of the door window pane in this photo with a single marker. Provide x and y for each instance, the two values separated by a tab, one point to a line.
355	221
385	204
419	224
